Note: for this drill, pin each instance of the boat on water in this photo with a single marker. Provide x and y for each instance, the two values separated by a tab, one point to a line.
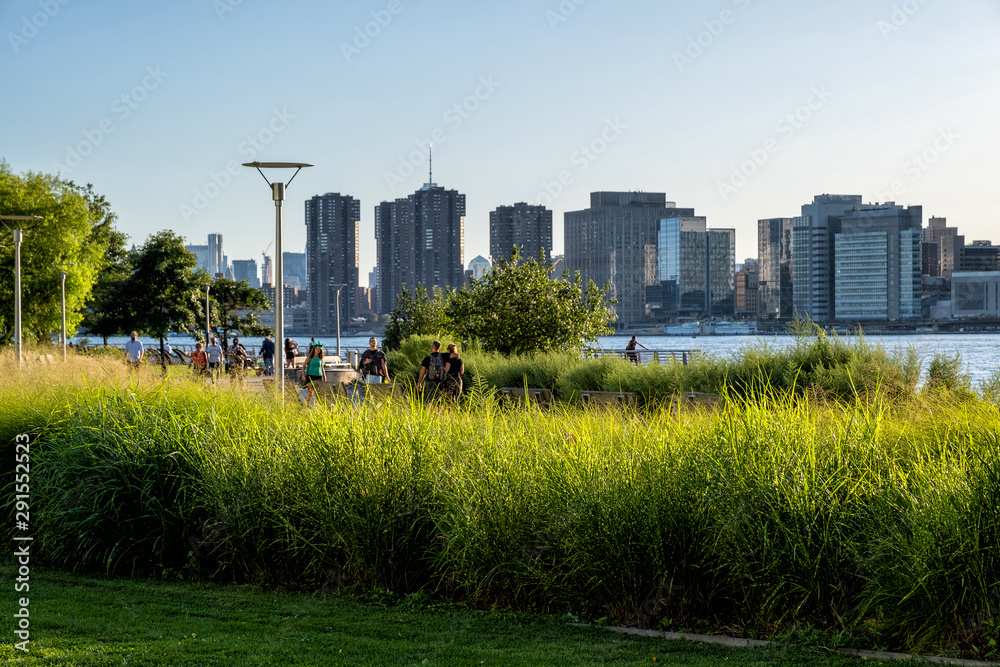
684	329
727	328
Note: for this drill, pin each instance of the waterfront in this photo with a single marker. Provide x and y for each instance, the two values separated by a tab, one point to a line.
980	353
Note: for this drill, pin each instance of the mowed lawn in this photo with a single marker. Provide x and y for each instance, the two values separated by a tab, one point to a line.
81	620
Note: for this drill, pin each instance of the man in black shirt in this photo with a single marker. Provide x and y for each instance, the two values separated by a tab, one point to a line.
373	367
431	370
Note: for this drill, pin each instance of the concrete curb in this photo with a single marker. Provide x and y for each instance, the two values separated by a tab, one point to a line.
737	642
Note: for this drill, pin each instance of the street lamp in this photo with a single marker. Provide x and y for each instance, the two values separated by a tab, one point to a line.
208	327
278	193
62	279
338	288
18	239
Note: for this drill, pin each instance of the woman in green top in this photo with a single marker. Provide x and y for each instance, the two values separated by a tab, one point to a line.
312	370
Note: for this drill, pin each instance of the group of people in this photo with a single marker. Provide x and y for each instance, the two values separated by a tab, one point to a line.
211	360
441	373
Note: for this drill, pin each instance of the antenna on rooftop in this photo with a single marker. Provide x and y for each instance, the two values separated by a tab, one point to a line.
430	165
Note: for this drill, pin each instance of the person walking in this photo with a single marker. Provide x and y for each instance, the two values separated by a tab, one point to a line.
312	370
373	365
631	352
134	351
431	370
199	361
214	351
267	352
291	349
454	367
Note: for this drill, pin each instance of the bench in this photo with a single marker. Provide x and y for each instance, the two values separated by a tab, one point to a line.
603	398
330	390
695	399
542	397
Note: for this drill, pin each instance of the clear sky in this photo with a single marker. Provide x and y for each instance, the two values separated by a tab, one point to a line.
742	109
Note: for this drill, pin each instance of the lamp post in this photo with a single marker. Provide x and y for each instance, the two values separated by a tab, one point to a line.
18	239
208	327
62	278
338	288
278	194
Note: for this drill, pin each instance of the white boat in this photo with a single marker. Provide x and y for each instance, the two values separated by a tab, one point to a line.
684	329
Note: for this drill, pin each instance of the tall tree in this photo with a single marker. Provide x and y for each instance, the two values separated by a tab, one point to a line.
517	308
72	236
163	289
236	307
107	310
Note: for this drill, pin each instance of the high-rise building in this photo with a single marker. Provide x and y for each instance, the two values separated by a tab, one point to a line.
614	241
267	272
294	267
479	265
216	261
525	226
813	254
748	289
419	239
981	256
774	252
201	253
696	267
246	269
933	236
877	261
332	222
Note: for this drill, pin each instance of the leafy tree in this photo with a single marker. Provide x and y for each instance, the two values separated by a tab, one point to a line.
516	308
236	306
107	312
72	236
416	314
164	287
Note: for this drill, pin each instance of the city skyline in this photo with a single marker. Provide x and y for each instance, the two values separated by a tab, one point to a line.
549	102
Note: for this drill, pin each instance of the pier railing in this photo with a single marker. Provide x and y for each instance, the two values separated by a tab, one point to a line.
647	356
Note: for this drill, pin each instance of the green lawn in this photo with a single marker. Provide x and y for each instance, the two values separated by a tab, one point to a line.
78	620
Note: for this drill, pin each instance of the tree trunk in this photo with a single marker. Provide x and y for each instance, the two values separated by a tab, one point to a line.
163	357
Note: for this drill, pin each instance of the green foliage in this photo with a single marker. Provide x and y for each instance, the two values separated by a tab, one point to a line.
235	307
416	314
107	311
75	230
516	308
164	288
948	374
876	527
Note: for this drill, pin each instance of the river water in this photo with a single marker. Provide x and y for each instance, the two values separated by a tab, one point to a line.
979	352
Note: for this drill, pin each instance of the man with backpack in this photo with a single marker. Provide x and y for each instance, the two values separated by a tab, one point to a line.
432	370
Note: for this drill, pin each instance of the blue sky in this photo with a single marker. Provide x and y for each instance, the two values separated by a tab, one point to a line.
742	109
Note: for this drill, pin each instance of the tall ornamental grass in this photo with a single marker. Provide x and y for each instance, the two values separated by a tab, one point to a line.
870	518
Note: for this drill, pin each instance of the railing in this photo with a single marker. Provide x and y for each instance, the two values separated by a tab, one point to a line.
648	356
